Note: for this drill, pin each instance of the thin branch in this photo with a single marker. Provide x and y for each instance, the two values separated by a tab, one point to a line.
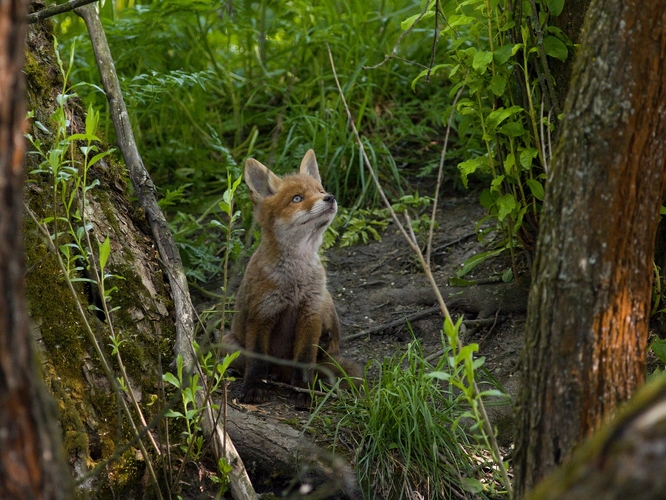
544	61
55	9
393	53
440	174
382	195
433	49
395	323
454	242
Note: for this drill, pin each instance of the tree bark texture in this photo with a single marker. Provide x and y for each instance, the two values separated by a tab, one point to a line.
31	460
589	304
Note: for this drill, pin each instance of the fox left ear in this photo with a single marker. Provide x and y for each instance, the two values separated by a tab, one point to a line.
309	165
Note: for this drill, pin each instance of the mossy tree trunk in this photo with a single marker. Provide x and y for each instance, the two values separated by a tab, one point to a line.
94	429
31	461
589	303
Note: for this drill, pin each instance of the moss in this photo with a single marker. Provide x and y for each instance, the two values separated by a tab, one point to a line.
50	303
125	477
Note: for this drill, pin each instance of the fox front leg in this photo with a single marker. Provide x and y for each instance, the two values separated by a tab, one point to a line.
256	370
308	332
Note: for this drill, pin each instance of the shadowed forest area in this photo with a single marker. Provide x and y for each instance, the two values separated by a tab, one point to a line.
495	260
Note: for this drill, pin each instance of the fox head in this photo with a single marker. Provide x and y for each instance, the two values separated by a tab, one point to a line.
294	211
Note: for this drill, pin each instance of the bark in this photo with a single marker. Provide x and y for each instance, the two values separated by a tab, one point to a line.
31	460
586	330
91	424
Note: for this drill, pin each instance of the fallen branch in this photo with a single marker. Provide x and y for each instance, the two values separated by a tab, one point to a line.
472	323
392	324
454	242
241	487
55	9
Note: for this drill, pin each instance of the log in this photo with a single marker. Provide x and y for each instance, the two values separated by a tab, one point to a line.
277	453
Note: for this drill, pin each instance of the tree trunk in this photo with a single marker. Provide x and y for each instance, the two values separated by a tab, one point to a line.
589	304
31	460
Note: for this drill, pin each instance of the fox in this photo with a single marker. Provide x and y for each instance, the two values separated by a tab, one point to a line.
283	307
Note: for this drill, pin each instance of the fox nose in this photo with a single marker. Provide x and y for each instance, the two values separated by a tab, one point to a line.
329	198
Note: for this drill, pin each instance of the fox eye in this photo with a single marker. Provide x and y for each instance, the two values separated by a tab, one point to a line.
297	199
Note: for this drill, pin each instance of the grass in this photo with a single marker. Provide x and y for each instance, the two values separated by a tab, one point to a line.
404	429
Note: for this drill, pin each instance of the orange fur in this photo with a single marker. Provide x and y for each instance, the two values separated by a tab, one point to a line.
283	307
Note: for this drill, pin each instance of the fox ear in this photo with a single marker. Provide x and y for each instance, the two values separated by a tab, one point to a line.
261	181
309	165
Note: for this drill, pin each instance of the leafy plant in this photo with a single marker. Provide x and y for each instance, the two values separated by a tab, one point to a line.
191	411
252	79
499	52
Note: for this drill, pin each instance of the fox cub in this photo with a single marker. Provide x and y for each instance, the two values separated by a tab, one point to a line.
283	308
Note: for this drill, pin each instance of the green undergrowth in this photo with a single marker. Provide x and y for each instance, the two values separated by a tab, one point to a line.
209	85
413	427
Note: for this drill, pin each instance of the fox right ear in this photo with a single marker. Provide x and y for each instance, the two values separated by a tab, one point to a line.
261	181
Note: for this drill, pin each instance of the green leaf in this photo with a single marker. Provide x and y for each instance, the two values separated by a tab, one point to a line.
536	188
504	53
409	22
526	157
425	72
507	275
496	184
475	260
470	166
498	85
658	347
472	485
440	376
461	282
555	6
555	47
499	115
505	205
487	198
104	252
481	60
512	129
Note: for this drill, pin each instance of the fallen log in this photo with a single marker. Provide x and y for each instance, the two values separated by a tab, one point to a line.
278	457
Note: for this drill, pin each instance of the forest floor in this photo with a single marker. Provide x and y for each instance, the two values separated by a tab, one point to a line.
380	282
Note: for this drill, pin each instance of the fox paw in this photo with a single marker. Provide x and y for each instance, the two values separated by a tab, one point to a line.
254	395
300	400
